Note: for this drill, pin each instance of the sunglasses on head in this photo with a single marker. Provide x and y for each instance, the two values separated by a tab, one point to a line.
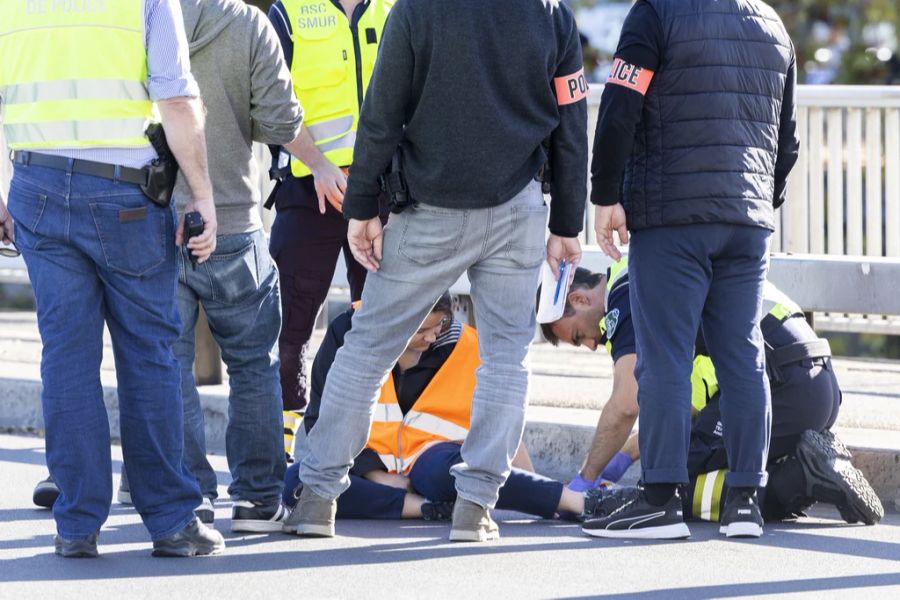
8	252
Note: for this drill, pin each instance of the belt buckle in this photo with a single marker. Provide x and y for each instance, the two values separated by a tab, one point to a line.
21	158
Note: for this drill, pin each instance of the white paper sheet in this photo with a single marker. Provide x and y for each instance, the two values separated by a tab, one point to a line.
553	294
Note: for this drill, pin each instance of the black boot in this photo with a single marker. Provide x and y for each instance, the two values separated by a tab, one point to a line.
830	478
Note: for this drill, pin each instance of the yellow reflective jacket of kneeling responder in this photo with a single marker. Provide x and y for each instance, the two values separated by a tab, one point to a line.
96	97
440	414
331	68
704	385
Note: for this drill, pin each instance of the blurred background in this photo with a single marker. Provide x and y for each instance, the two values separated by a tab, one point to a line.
837	41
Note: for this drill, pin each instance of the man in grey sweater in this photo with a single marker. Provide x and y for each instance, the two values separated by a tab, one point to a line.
246	87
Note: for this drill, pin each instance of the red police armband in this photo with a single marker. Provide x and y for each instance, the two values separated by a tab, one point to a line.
630	76
570	88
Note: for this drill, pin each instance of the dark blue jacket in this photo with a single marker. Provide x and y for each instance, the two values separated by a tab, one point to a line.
716	122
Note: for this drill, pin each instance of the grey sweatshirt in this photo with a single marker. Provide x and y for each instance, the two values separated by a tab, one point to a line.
245	85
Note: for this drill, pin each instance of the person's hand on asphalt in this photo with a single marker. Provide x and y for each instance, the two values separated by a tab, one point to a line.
365	239
331	183
606	220
202	245
7	232
563	248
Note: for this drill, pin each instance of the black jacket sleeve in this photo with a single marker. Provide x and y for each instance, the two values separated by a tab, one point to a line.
278	17
334	339
367	460
568	151
640	45
788	140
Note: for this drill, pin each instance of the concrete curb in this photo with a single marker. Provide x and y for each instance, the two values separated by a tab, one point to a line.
557	438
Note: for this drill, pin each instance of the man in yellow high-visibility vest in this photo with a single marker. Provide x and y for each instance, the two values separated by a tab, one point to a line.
98	250
330	46
806	462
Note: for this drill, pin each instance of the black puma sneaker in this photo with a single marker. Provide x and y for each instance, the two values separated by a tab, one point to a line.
741	516
636	518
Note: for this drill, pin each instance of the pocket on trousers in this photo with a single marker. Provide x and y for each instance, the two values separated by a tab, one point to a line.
133	234
431	234
528	243
26	204
235	274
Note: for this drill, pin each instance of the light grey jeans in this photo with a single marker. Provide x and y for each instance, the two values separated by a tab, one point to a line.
425	250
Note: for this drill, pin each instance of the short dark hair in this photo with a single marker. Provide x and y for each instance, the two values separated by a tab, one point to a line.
444	304
584	279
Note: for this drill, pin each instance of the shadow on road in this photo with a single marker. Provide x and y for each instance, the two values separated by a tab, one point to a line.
316	553
822	584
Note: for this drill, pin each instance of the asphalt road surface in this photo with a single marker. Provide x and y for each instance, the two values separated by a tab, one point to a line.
819	557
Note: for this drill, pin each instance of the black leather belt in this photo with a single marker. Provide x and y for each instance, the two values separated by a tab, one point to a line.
83	167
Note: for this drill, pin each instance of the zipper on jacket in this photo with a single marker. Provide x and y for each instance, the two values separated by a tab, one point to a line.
400	445
357	52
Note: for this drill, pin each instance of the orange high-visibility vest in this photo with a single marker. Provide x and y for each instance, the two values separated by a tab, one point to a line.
440	414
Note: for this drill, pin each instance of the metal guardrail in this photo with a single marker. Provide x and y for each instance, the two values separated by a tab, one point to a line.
817	282
843	199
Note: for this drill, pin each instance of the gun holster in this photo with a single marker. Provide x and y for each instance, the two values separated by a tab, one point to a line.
163	171
278	172
393	184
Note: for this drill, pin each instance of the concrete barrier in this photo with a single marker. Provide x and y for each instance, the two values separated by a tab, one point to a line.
557	438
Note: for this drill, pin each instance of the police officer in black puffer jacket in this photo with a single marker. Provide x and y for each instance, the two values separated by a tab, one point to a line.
695	139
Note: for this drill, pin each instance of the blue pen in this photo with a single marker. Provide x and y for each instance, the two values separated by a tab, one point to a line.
562	274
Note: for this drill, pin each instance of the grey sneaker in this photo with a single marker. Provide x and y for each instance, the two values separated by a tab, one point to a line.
312	517
196	539
472	523
86	548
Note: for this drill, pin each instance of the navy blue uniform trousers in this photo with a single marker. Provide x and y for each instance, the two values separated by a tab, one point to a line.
430	476
681	277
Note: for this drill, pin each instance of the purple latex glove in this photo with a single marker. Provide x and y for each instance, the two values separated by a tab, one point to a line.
580	484
616	467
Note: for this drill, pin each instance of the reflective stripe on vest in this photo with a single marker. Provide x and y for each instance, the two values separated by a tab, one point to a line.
704	384
778	304
440	414
327	80
87	87
617	271
708	494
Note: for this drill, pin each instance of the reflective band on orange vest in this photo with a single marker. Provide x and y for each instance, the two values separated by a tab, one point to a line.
630	76
441	413
570	88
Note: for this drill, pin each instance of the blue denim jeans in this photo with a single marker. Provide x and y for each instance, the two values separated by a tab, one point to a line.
98	251
238	288
425	250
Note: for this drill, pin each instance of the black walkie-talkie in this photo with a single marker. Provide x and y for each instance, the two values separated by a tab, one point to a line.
193	226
